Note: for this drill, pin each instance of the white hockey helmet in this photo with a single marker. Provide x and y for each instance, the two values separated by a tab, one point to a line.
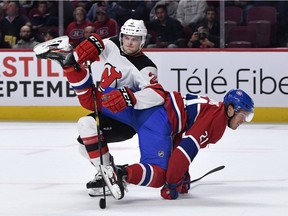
134	27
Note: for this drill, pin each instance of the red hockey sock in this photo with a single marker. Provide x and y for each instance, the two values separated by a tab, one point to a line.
92	147
146	175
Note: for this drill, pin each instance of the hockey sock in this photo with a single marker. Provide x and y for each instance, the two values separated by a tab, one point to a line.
88	133
146	175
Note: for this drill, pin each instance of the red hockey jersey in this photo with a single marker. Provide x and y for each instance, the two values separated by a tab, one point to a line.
196	122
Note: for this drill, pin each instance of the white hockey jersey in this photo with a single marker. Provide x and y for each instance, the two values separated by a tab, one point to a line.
136	72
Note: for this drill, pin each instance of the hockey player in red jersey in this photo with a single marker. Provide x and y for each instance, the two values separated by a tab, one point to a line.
125	65
206	126
193	123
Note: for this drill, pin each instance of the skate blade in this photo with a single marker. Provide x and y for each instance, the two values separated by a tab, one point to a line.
59	43
99	192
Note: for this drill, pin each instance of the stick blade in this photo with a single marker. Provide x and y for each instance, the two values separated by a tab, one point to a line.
208	173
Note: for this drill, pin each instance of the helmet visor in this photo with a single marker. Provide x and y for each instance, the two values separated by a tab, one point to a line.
248	116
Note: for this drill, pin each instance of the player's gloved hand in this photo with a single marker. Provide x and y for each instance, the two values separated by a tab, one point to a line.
186	183
118	100
90	49
171	191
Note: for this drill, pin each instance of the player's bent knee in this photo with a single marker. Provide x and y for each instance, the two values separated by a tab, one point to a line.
87	127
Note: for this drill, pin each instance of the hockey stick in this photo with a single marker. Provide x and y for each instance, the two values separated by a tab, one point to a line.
102	202
208	173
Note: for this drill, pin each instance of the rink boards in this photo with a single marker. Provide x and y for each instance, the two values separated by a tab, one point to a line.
73	113
37	90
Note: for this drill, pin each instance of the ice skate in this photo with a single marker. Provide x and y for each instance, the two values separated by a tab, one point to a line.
114	177
95	186
57	49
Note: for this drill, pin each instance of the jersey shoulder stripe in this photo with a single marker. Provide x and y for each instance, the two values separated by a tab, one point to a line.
139	60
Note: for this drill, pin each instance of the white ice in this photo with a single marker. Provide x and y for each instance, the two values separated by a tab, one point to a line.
42	173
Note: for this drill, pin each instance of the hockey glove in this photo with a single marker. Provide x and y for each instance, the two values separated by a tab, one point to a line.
90	49
186	183
170	191
118	100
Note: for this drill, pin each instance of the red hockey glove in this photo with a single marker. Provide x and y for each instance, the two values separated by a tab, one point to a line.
90	49
171	191
186	183
118	100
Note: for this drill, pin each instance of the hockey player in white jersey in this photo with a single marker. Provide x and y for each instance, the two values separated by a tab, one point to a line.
125	66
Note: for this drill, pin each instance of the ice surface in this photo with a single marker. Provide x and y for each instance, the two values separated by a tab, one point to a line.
42	173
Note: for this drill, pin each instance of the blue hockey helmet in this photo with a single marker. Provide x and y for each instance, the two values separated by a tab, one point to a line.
240	101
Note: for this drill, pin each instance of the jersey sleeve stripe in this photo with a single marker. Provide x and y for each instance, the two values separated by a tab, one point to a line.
83	84
177	111
184	153
193	140
195	101
81	92
193	106
188	148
